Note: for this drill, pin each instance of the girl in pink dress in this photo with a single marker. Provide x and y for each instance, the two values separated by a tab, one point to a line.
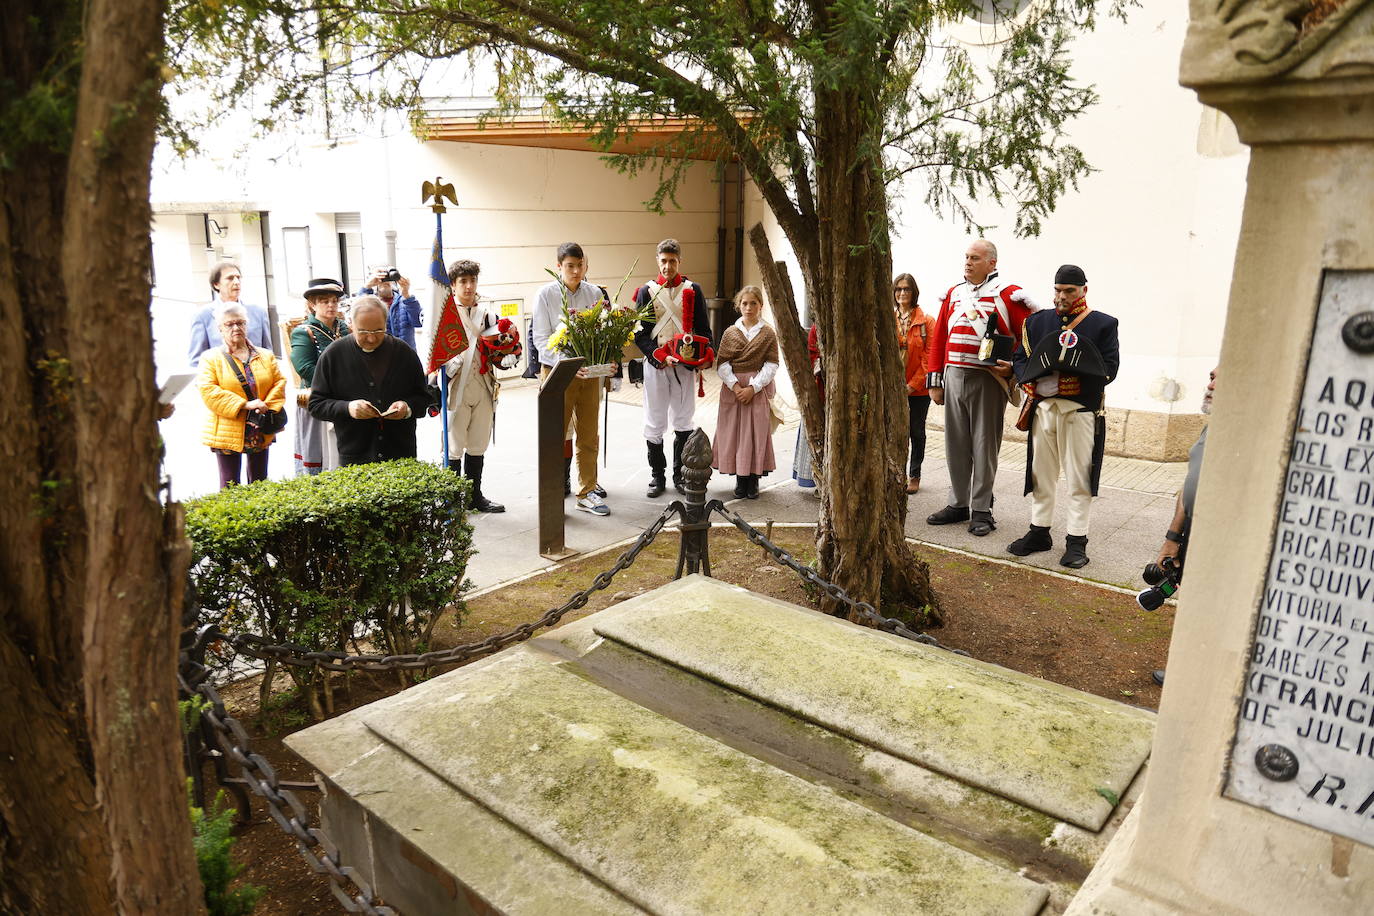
746	362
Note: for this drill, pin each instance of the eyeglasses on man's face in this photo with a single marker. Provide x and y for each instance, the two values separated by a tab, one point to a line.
236	324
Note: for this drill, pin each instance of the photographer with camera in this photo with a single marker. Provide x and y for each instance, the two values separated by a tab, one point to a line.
1165	574
402	309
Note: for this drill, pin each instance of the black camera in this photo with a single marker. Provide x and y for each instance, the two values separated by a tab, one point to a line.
392	275
1164	580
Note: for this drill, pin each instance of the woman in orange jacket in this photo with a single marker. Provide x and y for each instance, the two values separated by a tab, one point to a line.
914	330
239	383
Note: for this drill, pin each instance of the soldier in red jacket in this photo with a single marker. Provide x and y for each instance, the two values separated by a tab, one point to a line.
973	385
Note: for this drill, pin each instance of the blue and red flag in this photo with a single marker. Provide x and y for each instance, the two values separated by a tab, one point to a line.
449	339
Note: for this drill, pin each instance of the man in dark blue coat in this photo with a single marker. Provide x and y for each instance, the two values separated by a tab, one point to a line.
1064	360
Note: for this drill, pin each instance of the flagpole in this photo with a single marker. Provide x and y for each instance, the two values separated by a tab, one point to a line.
443	412
437	192
443	370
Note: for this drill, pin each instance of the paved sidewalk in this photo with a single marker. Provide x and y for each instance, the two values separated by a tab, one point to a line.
1129	517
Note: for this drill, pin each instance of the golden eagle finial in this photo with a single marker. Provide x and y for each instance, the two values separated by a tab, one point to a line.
436	190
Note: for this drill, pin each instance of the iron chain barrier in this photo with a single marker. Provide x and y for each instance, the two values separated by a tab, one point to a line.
258	647
286	809
314	845
348	886
865	611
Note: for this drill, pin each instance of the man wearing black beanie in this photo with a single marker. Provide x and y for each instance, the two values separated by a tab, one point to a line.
1064	361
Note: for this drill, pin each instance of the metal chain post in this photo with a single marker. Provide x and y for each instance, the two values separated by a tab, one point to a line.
694	553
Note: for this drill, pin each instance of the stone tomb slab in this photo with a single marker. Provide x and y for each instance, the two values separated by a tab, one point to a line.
701	749
674	821
1054	749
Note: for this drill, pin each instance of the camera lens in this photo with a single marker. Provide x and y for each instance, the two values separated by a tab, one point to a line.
1150	599
1153	575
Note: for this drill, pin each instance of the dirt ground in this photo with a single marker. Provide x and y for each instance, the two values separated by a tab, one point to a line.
1067	631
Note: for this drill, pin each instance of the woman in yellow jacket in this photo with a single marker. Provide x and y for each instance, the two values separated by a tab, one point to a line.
238	382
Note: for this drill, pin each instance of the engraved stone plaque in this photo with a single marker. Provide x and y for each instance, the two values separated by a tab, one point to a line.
1304	745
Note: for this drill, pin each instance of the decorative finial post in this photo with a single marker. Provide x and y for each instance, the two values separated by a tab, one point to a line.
436	190
694	553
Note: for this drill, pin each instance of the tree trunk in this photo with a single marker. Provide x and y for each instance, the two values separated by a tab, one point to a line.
93	815
847	268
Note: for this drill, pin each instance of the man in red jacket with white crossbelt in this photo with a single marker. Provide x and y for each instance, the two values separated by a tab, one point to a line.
974	390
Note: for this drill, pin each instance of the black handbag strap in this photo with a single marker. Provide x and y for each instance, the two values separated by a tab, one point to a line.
233	364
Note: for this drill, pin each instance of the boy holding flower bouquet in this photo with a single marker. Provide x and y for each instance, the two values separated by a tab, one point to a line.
563	298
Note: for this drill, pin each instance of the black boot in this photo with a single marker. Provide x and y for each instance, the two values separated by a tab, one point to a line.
753	492
567	477
658	465
474	473
948	515
741	486
1075	551
981	523
1033	541
679	440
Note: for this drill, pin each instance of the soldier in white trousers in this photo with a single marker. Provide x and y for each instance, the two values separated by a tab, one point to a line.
1064	362
670	386
472	387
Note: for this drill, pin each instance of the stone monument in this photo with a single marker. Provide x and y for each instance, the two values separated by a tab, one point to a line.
1260	795
703	749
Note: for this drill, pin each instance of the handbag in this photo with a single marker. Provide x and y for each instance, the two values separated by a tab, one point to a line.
775	417
267	422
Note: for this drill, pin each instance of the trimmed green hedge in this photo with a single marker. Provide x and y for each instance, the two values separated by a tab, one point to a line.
373	550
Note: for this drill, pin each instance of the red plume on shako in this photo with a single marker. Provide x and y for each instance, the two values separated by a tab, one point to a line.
502	348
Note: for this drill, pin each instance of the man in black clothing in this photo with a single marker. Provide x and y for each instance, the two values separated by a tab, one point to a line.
1065	360
371	387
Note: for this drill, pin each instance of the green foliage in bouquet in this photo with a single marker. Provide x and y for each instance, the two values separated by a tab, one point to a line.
598	334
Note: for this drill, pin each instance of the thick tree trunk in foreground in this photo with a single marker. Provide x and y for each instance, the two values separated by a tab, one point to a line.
845	263
92	798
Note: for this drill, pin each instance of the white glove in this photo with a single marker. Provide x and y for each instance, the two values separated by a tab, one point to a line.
615	384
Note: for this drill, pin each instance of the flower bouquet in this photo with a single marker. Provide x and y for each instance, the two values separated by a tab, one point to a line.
598	334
